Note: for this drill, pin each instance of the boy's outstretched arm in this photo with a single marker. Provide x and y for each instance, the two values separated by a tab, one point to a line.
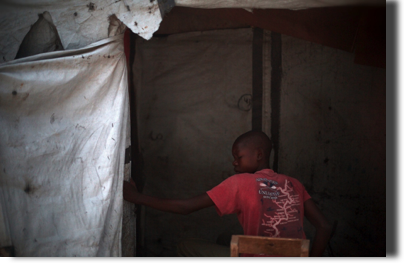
323	228
178	206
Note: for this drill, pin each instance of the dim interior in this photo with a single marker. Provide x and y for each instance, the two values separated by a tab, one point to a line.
322	101
79	113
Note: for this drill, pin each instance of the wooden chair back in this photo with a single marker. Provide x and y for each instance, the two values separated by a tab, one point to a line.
285	247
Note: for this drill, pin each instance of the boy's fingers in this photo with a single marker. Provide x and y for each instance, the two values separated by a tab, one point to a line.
133	183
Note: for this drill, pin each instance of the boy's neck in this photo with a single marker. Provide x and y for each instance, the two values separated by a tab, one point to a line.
263	166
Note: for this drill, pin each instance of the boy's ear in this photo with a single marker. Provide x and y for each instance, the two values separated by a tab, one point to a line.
259	154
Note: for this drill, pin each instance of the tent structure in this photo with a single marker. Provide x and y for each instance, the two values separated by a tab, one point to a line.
66	111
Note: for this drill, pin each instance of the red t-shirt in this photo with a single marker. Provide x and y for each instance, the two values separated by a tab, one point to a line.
266	203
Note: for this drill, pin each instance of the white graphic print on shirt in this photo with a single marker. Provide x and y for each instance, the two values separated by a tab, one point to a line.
280	215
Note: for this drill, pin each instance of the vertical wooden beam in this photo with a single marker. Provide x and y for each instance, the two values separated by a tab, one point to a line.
128	233
276	81
136	160
267	82
257	81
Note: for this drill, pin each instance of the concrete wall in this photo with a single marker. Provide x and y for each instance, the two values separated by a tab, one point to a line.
190	113
333	139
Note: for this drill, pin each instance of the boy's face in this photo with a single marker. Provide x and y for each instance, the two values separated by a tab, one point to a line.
245	159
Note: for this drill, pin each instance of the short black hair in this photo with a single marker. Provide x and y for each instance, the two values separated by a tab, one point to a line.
257	139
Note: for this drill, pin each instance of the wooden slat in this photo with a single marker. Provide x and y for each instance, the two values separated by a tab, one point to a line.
286	247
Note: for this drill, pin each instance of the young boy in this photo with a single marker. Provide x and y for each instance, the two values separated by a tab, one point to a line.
266	203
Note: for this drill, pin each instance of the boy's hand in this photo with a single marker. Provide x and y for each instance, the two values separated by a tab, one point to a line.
133	183
129	191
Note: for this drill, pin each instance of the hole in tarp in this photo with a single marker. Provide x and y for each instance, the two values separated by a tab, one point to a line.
42	37
27	188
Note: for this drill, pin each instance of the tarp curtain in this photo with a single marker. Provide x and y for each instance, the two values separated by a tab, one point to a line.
62	143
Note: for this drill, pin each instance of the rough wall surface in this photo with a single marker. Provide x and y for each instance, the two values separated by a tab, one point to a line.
190	88
333	139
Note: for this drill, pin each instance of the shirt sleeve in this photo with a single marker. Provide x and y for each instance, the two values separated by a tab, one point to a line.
300	189
225	196
306	195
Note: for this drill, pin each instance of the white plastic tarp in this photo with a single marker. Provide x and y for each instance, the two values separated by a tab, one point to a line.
62	143
79	22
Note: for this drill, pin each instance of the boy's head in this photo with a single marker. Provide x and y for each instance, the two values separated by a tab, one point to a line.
251	152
